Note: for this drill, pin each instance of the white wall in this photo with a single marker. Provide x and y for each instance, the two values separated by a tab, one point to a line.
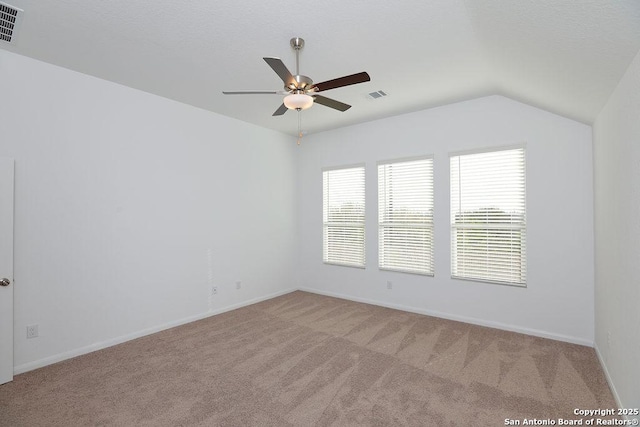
617	236
559	299
120	197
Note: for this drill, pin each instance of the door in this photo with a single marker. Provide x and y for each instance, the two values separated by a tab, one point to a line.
6	270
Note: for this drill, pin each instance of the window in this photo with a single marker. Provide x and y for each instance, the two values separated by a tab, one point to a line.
488	221
405	215
343	216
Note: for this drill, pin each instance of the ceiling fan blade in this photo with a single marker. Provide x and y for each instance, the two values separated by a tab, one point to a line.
343	81
331	103
281	70
254	92
280	111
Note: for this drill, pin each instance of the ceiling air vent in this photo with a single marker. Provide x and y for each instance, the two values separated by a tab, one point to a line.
10	18
376	95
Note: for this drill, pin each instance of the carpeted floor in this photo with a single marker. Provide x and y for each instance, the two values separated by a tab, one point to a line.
308	360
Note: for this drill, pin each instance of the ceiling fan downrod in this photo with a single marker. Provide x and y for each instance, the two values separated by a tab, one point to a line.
297	44
301	82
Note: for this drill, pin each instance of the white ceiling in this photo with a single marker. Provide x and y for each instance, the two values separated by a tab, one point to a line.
565	56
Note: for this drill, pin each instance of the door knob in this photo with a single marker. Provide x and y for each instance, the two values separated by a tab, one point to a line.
5	282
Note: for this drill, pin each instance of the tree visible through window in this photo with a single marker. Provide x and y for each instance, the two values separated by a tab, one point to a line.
488	218
343	216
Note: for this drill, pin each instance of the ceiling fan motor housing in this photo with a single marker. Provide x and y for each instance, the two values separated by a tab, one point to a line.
302	83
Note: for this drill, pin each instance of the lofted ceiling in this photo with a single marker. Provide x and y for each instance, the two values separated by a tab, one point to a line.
559	55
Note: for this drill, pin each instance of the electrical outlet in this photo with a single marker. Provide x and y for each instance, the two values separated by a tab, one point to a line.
389	284
238	284
32	331
214	290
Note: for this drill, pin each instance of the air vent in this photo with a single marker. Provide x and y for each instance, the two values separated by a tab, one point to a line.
377	94
10	18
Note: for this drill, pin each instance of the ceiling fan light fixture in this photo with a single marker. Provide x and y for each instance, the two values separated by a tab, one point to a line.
298	101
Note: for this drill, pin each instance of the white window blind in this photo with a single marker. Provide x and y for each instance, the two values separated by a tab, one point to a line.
405	215
343	216
488	217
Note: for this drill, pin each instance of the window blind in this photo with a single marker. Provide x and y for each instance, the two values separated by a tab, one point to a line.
488	217
343	216
405	216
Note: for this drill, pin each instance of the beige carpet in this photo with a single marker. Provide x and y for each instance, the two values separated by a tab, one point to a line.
308	360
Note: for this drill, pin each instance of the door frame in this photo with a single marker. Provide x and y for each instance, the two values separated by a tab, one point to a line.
6	267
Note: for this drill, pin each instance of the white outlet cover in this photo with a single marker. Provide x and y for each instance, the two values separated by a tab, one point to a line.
32	331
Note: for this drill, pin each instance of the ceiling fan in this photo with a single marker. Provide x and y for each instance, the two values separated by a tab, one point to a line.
301	93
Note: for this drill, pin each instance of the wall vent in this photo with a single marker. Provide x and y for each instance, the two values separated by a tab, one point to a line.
377	94
10	18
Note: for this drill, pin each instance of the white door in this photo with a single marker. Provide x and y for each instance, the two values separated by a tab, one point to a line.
6	270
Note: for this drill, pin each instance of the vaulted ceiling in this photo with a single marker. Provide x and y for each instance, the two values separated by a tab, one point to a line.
559	55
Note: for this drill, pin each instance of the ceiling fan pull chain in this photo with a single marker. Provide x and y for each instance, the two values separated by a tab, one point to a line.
299	126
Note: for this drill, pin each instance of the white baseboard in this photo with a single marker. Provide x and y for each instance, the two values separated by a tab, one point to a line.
124	338
612	386
118	340
472	320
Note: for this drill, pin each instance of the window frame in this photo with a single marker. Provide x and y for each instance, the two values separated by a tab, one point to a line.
522	227
430	271
325	224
